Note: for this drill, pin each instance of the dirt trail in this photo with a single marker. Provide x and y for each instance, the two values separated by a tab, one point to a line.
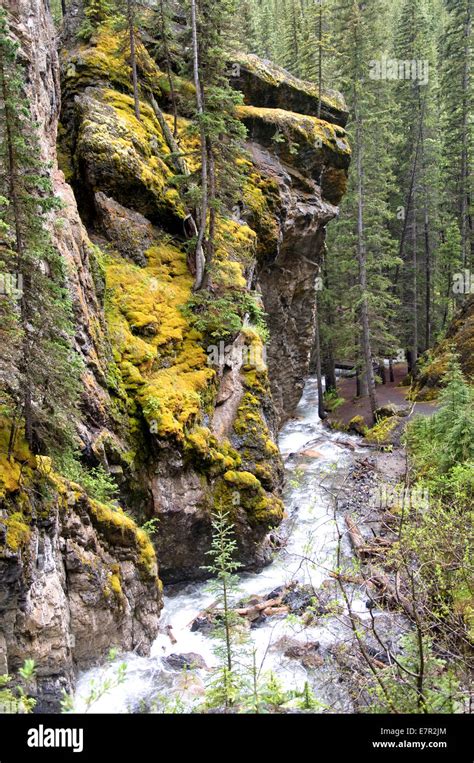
387	393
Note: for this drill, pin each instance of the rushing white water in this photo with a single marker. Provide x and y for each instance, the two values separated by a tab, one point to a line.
317	462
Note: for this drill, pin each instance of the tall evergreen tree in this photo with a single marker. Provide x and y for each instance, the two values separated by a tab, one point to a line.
221	132
457	106
46	391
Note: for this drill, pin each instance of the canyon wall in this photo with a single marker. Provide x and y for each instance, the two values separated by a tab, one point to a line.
185	427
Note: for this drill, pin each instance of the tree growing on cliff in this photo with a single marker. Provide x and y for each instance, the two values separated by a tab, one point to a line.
46	391
221	133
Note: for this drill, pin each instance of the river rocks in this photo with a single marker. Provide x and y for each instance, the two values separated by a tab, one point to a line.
299	598
202	624
307	654
190	661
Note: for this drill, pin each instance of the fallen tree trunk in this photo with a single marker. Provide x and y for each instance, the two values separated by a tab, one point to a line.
389	592
362	548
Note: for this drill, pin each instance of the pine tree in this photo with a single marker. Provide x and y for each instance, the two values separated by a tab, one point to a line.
226	681
221	132
457	104
48	369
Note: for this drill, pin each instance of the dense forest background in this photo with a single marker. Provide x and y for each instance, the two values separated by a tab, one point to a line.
404	68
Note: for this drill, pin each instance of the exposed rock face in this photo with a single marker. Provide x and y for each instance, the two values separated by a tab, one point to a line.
460	337
306	170
287	277
183	433
268	85
69	589
75	581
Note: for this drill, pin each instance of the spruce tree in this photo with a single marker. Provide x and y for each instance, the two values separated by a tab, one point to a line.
46	392
226	683
221	132
457	105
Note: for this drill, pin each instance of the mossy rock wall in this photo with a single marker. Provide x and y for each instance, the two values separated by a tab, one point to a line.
264	84
460	338
77	577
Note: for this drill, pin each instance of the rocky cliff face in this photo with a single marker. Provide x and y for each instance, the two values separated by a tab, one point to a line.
76	578
305	174
185	422
460	338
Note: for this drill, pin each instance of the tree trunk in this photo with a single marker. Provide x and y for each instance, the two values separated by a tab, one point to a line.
320	57
414	342
169	71
427	281
200	258
133	57
362	260
321	412
465	169
178	161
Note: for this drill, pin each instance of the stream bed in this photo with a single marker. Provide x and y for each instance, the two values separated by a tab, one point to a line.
318	462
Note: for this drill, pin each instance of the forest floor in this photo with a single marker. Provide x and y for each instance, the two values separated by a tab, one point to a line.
391	392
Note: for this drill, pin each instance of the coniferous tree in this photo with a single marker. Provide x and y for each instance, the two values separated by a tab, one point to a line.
221	132
457	105
226	682
46	391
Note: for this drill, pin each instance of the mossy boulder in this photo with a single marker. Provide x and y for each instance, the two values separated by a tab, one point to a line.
357	425
264	84
320	147
124	158
385	433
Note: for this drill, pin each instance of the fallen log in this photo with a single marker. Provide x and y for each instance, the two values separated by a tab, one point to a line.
355	579
258	607
362	548
389	593
355	536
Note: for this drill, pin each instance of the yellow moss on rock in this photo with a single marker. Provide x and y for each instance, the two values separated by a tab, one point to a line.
155	348
242	480
114	523
303	129
381	433
17	468
126	157
18	532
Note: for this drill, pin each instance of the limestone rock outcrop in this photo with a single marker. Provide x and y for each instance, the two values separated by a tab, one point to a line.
183	413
